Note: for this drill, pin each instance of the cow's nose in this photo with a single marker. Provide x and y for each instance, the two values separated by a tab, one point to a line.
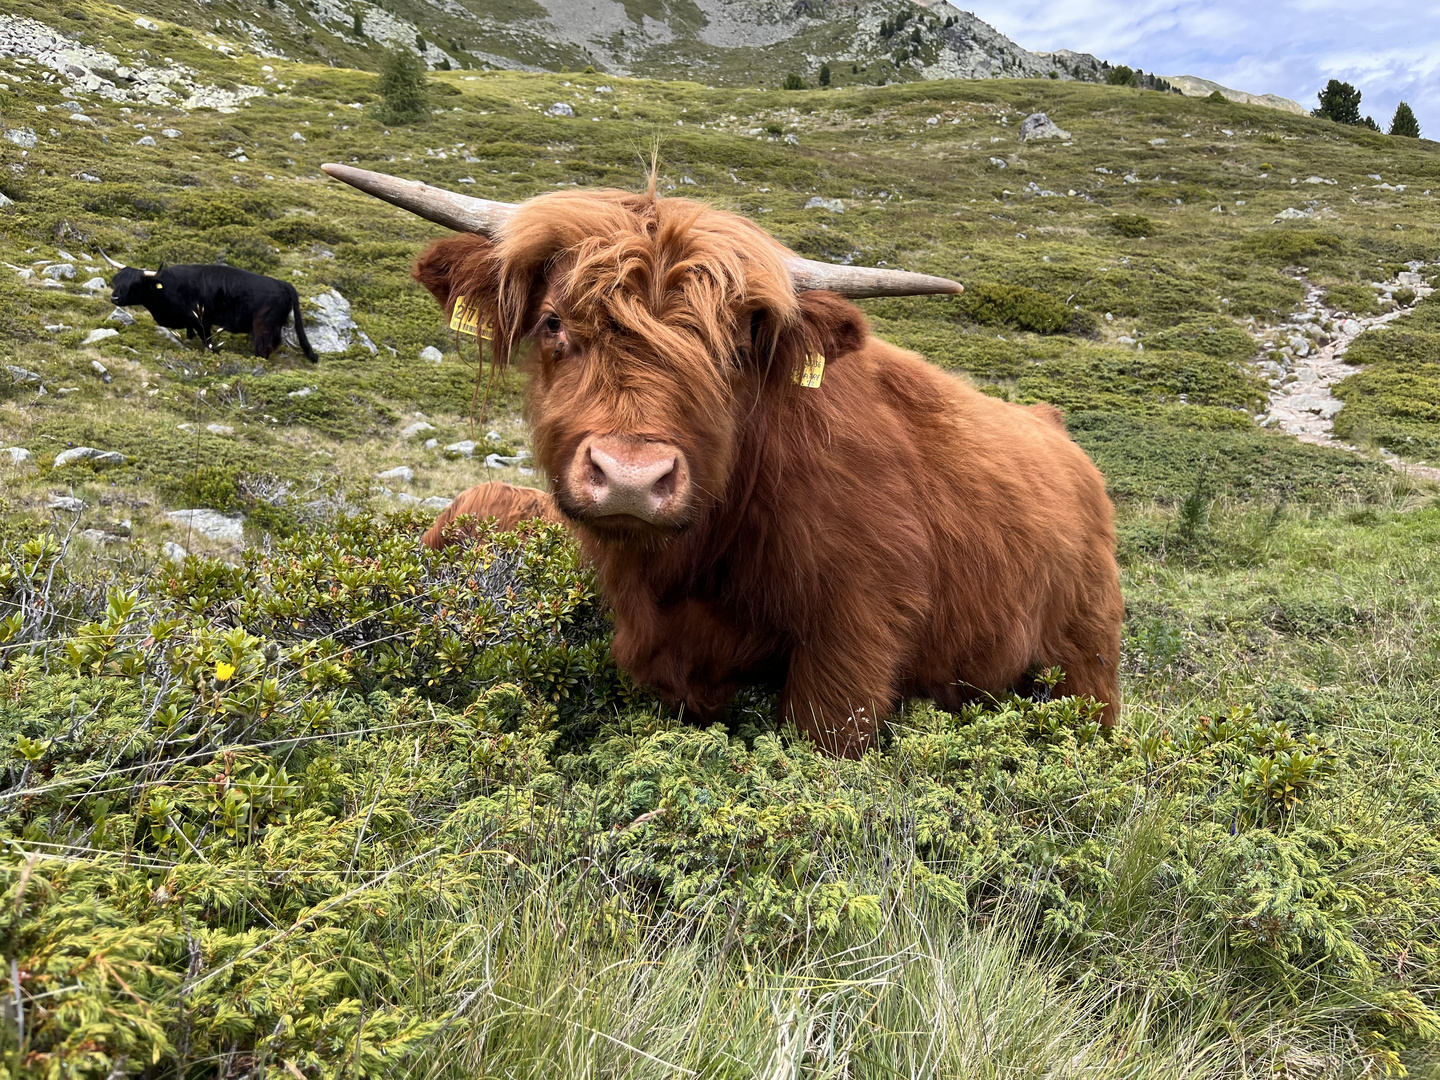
636	478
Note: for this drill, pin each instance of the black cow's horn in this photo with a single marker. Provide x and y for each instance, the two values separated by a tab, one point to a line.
465	213
108	259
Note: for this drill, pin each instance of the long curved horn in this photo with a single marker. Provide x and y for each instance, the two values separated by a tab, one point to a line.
464	213
858	282
108	259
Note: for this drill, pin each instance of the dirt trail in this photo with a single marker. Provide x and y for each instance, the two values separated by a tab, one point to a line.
1303	360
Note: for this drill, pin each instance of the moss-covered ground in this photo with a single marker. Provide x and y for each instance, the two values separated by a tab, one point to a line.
349	809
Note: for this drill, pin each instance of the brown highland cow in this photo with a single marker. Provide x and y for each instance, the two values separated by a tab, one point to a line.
879	532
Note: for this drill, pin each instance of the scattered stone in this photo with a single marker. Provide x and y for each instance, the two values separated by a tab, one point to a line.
224	528
435	503
170	133
145	140
220	429
835	206
169	335
417	428
90	454
121	316
89	178
22	137
95	284
560	109
304	391
464	448
1039	126
67	503
500	461
25	273
102	333
20	375
173	551
81	118
101	370
403	473
145	24
1319	180
295	136
57	271
431	354
431	444
18	455
1290	214
1157	142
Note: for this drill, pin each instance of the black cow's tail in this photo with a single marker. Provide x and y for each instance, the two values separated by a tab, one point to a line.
300	327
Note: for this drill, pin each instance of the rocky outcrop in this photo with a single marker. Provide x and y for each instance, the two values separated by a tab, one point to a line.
83	69
1192	86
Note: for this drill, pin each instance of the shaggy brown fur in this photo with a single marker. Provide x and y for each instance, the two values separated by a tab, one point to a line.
891	533
506	503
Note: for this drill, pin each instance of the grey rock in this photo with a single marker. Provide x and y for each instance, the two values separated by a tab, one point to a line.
145	140
329	325
501	461
560	109
417	428
170	133
57	271
464	448
431	444
95	284
169	335
18	455
435	503
1290	214
90	454
304	391
224	528
22	137
432	354
835	206
89	178
999	163
121	316
220	429
20	375
173	551
67	503
295	136
100	334
101	370
403	473
1039	126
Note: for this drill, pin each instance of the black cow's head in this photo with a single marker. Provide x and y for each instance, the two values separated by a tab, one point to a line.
135	286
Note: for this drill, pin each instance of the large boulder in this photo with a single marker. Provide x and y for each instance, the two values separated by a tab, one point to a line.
329	325
222	528
1039	126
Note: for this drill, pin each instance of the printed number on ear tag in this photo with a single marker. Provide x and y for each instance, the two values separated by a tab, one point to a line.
814	371
465	319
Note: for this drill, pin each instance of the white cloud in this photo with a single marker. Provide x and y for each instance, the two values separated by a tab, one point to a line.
1390	52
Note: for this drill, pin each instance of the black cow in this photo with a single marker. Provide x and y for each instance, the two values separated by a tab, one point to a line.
197	297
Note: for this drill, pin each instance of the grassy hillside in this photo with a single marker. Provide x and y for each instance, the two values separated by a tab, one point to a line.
338	807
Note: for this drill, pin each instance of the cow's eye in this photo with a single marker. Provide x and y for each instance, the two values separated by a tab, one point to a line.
552	323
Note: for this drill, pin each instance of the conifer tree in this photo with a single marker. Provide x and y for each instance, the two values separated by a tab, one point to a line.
1404	122
824	74
402	89
1339	101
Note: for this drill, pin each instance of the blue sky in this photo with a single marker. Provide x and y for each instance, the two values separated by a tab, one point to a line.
1389	51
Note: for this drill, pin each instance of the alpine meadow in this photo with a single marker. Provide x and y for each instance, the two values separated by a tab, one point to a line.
286	794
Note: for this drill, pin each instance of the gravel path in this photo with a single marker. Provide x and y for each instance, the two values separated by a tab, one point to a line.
1304	359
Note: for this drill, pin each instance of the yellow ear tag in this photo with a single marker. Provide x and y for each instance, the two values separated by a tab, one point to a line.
814	371
465	319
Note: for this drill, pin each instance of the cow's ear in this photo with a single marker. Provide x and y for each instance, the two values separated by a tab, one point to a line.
463	265
829	327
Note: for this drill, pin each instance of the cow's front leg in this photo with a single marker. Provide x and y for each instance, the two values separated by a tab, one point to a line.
839	694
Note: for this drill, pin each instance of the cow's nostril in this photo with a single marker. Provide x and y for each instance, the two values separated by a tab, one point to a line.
663	488
596	475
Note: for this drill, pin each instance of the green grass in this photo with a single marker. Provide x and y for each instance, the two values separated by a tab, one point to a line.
460	843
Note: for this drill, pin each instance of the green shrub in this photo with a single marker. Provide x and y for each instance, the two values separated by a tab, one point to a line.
1133	226
1285	247
1023	308
793	82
